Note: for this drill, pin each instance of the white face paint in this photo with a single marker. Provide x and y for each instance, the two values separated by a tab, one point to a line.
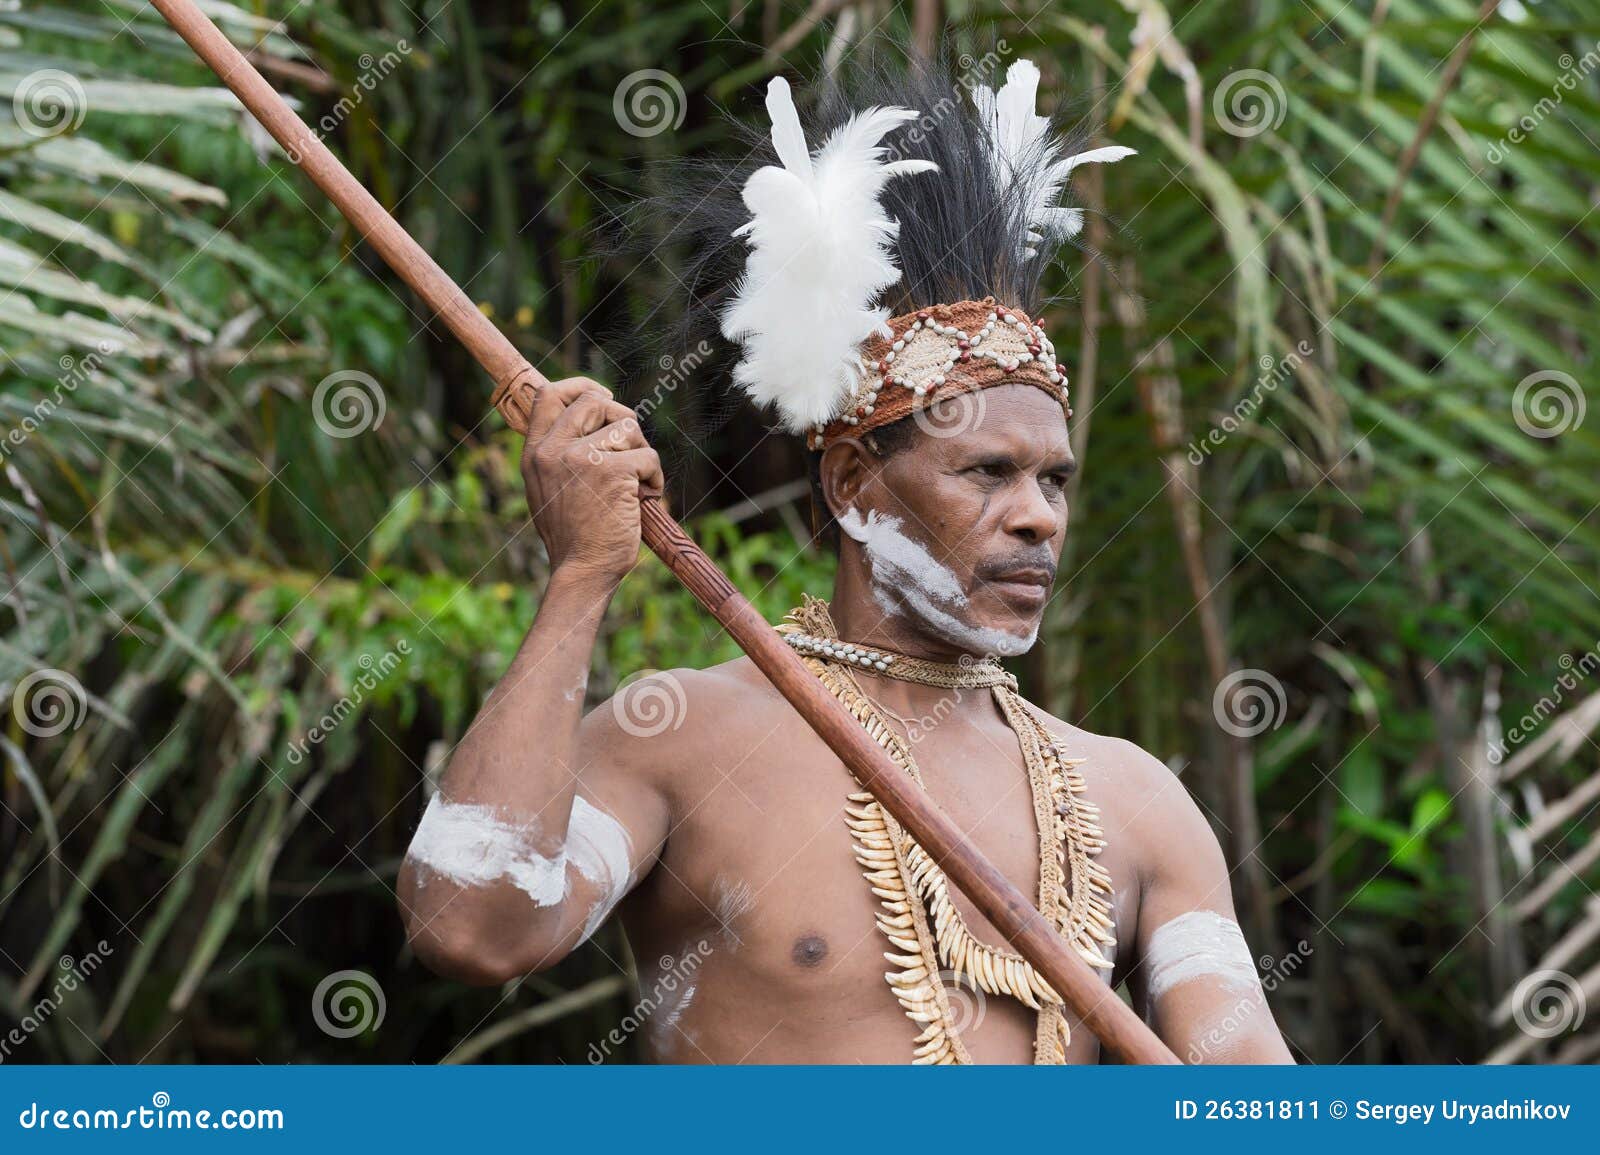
908	580
1200	945
470	846
599	849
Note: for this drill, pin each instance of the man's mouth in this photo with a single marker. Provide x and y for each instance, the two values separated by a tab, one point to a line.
1028	586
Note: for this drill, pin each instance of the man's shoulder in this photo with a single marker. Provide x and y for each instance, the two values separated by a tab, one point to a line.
688	704
1126	760
1153	798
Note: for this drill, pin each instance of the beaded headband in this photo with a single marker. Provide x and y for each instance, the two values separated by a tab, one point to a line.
941	352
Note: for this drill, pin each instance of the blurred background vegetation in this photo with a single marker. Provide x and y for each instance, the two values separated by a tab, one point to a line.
1330	373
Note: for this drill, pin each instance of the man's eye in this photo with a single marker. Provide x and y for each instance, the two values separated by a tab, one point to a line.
990	469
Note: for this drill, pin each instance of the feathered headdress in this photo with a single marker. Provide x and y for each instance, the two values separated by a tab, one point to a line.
854	298
820	255
1024	155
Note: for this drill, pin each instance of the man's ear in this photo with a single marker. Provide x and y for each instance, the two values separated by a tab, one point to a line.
848	469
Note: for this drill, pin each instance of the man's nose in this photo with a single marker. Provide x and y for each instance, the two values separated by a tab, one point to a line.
1031	515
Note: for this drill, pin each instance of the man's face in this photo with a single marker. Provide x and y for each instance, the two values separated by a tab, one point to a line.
986	501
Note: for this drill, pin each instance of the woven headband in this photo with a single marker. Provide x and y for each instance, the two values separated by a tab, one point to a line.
941	352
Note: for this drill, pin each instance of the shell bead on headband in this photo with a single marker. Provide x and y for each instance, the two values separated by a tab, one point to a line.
827	248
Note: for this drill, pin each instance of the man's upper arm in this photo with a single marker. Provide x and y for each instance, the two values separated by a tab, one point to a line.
1195	976
621	810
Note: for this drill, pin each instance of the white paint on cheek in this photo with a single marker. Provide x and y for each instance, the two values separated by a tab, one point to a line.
471	846
1200	945
906	578
599	849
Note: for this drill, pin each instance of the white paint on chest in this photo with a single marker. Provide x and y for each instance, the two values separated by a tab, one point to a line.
731	901
907	579
472	846
1200	945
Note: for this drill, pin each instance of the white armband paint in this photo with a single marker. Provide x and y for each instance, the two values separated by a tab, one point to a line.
472	846
599	848
1199	945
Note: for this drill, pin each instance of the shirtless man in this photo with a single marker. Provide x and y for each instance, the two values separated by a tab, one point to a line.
701	807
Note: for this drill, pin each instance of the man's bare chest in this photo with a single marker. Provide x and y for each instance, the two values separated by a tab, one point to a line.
759	881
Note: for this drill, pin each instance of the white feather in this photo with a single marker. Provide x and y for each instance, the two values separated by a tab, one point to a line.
1022	153
821	251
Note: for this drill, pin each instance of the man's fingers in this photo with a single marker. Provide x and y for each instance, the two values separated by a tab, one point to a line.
645	465
588	414
616	436
553	399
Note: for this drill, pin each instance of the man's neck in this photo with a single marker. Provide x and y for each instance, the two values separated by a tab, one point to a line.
861	619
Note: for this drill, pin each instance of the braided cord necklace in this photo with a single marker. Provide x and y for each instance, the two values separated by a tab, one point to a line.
933	950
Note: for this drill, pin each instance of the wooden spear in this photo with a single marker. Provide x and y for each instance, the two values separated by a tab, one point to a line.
516	385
